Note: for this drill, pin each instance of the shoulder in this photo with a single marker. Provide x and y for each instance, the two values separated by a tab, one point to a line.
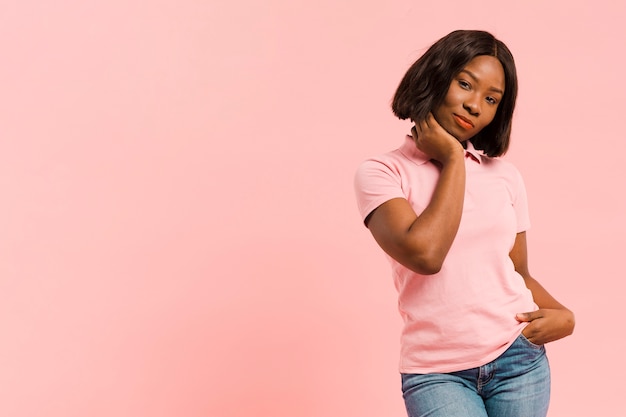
395	162
375	174
389	163
377	180
501	166
504	170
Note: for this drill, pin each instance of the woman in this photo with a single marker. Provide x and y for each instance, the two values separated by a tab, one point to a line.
452	217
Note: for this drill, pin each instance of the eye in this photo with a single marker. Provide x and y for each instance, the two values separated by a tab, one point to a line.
464	85
491	100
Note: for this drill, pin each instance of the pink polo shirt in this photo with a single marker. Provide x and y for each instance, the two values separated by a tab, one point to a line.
463	316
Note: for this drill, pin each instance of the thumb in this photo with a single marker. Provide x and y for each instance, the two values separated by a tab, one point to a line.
529	316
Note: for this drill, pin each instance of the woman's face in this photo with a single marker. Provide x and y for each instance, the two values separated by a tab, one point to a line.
472	99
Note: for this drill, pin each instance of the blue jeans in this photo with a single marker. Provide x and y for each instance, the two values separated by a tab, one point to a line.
516	384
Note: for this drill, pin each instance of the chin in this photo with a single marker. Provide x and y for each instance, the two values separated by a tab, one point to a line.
460	138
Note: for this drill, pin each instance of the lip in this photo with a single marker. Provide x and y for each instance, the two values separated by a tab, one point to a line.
463	122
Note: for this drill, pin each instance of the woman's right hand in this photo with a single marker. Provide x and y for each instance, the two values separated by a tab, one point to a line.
435	141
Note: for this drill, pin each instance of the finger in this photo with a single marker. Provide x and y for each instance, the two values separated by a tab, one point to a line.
433	123
429	120
532	337
421	126
527	332
522	317
529	316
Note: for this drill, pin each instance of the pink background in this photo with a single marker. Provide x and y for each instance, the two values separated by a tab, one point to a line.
178	232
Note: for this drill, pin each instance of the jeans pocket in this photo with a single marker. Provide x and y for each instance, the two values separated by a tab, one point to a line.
527	342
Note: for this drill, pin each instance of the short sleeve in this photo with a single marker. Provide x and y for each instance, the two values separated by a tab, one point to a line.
374	184
520	204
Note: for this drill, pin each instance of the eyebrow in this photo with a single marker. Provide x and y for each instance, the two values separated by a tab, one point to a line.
494	89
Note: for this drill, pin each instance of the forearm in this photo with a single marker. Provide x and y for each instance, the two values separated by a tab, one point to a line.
431	234
551	322
541	296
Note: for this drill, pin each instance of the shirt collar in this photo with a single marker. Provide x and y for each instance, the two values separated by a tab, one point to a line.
411	151
473	152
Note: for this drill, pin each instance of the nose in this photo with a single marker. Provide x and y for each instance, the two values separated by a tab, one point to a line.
472	105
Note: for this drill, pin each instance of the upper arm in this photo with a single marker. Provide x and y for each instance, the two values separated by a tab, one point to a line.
519	255
384	207
391	225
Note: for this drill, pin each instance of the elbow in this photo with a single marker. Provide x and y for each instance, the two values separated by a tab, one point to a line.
423	259
427	257
429	269
571	322
426	265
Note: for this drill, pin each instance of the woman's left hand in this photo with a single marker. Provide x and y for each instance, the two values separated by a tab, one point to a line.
547	325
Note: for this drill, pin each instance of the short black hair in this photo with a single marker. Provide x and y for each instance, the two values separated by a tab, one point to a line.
425	85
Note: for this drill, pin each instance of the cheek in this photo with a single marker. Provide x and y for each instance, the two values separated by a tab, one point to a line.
453	97
449	104
440	116
488	114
